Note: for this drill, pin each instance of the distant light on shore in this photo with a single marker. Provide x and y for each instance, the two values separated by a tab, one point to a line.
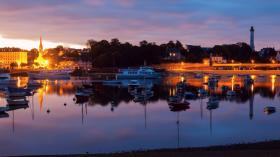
30	44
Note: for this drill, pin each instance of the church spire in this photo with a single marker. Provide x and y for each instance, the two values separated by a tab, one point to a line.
41	45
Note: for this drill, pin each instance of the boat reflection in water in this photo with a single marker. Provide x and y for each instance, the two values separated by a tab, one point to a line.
111	113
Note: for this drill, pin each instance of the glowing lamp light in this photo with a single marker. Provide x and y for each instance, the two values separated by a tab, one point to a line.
18	64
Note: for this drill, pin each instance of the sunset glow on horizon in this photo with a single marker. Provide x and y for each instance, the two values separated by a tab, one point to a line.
30	44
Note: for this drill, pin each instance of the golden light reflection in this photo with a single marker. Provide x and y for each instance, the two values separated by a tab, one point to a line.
182	78
205	78
233	82
18	81
252	88
182	63
173	92
273	80
40	98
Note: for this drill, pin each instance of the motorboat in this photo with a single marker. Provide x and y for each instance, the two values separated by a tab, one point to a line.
231	93
6	81
16	92
12	101
269	110
50	75
82	92
213	103
140	73
202	92
190	95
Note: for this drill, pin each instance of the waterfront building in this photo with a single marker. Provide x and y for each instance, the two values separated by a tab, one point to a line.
217	59
174	54
252	38
12	55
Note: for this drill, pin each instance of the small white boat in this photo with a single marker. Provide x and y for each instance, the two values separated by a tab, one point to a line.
269	110
140	73
231	93
17	101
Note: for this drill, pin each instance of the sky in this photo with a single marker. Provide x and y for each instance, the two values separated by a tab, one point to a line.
194	22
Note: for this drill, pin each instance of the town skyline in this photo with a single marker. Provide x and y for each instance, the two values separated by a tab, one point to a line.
72	23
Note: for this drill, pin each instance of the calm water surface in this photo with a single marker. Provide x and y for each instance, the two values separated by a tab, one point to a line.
111	121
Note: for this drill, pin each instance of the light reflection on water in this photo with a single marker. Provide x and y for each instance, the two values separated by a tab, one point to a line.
111	121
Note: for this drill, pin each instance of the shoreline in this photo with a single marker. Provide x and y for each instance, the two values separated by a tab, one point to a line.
258	149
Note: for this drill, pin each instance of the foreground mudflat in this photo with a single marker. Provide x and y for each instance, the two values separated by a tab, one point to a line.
262	149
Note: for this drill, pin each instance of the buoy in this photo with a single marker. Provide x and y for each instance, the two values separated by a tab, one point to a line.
65	104
48	111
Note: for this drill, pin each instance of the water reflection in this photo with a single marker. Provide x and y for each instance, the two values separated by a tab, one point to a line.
122	117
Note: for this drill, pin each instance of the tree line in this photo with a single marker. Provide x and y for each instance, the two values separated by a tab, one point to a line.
116	54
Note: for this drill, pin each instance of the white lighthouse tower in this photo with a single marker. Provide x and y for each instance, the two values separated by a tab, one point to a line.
252	38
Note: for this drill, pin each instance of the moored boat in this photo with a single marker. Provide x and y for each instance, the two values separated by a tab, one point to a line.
190	95
231	93
12	101
140	73
269	110
6	81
